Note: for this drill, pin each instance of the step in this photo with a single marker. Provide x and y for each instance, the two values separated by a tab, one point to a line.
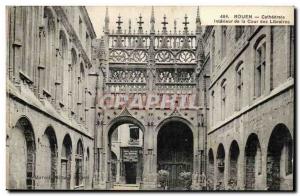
129	187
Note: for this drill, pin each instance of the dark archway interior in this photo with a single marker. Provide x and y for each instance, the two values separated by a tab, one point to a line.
66	156
175	151
25	125
220	166
280	155
233	169
253	155
53	147
210	171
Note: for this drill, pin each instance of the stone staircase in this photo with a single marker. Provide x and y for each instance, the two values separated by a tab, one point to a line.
126	187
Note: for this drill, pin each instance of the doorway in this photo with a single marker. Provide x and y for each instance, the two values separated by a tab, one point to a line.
175	151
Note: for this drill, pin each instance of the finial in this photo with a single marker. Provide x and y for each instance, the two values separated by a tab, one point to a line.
119	22
164	23
106	21
185	23
152	21
140	22
129	26
198	22
175	24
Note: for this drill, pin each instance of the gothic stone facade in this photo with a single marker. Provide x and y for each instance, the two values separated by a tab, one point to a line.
154	63
50	97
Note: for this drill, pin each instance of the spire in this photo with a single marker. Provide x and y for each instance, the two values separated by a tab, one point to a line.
101	52
119	22
152	20
164	23
140	22
106	20
198	22
129	26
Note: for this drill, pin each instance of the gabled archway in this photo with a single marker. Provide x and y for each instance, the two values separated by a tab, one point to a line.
131	153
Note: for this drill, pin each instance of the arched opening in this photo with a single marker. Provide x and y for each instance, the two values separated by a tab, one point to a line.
72	81
79	159
87	167
66	158
279	158
175	151
49	148
125	152
220	167
50	49
210	170
22	156
62	68
253	161
234	153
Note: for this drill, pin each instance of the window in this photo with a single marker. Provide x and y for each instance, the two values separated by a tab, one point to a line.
61	75
223	99
223	41
239	30
72	70
134	132
260	67
49	47
239	86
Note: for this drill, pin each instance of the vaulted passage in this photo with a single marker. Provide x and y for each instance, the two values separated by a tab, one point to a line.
210	170
48	147
175	151
220	167
279	158
253	161
22	156
126	143
234	153
66	158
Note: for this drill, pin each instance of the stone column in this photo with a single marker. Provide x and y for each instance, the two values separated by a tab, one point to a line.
149	168
118	171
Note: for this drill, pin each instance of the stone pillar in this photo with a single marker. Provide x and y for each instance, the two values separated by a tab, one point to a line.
241	171
226	170
118	171
149	172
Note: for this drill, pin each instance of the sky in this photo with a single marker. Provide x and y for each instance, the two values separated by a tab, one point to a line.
97	14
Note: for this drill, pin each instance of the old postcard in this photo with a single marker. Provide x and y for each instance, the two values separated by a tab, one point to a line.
160	98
